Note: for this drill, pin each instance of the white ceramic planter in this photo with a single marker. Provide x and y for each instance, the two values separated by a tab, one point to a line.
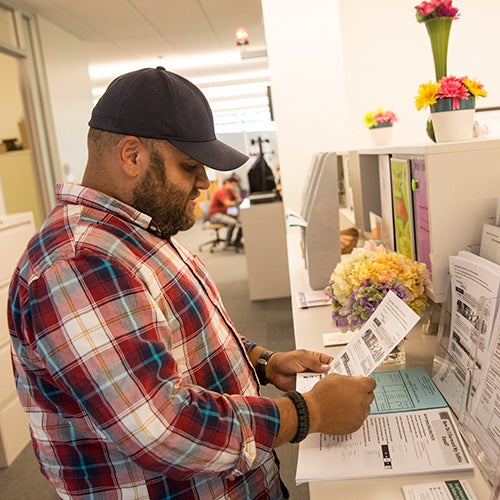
381	136
451	126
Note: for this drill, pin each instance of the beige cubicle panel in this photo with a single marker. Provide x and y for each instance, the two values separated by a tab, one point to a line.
264	233
19	185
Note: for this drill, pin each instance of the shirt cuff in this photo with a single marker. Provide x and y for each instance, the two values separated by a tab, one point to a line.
260	424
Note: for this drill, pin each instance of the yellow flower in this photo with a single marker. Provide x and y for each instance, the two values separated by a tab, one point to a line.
475	88
368	119
427	93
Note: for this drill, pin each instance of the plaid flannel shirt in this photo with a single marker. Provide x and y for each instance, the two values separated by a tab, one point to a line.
134	379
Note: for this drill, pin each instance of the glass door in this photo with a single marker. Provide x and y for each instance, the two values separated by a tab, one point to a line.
20	57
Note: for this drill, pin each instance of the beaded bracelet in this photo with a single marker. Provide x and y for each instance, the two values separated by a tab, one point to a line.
302	415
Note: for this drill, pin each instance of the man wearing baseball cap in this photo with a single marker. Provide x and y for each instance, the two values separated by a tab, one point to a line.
136	383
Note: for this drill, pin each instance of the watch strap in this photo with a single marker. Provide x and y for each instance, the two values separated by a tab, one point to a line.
261	365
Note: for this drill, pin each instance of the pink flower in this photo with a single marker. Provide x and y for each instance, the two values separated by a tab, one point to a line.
426	8
435	8
390	117
387	116
452	87
445	9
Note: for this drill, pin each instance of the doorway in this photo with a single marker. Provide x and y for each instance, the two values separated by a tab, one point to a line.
28	151
18	182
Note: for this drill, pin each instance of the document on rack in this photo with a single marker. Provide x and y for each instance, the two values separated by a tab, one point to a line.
475	287
483	417
391	444
469	375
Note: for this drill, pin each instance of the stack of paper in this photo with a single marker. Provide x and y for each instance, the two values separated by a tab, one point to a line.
312	298
391	444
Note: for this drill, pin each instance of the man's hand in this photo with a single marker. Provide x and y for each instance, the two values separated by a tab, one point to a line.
339	404
283	366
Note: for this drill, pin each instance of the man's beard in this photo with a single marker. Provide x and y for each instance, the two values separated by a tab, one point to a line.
163	202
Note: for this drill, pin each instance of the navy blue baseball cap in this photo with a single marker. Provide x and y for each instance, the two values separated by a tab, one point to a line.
158	104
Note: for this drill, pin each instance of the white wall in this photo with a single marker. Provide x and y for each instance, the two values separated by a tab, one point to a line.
66	67
307	84
385	66
331	61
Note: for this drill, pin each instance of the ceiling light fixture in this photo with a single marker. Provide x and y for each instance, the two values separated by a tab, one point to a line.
242	36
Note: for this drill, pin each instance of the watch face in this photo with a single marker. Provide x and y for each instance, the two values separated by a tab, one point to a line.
266	355
262	361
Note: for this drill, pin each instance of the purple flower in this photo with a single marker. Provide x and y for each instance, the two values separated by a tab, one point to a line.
360	304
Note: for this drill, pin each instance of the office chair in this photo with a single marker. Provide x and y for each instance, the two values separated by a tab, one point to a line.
210	226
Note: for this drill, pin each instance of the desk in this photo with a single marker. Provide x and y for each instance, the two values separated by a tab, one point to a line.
309	325
264	234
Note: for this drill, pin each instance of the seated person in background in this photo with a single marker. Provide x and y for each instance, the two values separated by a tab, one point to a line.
223	198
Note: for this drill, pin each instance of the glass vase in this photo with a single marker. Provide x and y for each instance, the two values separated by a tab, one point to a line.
396	357
438	29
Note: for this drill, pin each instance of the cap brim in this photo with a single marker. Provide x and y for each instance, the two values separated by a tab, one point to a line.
214	154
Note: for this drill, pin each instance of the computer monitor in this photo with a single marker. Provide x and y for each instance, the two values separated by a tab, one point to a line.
310	183
261	177
321	235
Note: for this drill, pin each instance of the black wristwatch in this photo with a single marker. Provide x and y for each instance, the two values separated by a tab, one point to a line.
261	366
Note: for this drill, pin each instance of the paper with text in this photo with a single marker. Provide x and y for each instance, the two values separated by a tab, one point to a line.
453	489
383	331
417	442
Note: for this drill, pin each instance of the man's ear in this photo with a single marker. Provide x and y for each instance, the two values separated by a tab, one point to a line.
132	155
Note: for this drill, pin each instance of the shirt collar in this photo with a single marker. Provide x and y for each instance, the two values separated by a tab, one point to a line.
80	195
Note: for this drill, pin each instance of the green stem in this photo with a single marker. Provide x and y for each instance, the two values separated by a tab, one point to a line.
438	29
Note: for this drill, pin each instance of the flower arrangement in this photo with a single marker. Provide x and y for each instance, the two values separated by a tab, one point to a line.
380	118
360	282
449	87
435	8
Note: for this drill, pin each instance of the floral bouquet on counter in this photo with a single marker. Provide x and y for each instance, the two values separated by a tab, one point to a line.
380	118
458	91
360	282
